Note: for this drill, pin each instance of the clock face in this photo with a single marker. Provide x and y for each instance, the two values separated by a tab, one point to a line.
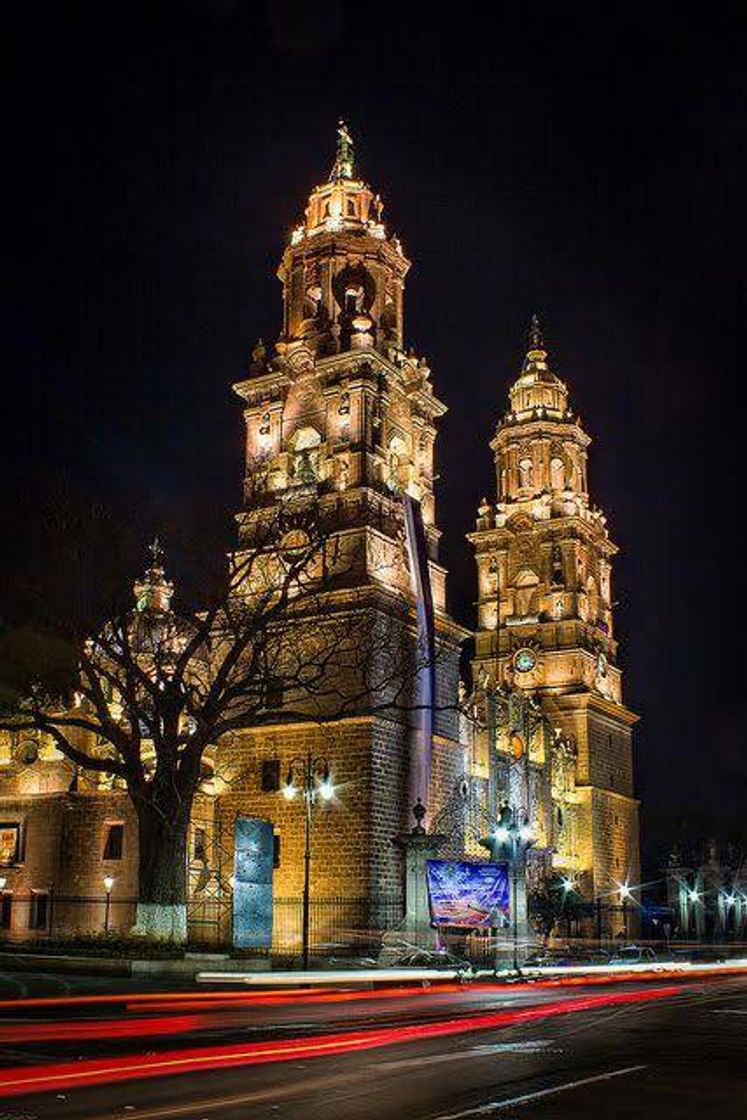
524	660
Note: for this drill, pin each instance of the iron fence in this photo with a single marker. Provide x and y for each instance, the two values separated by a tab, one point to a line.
338	926
342	927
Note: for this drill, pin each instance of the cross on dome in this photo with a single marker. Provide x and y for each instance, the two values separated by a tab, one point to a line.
155	548
345	157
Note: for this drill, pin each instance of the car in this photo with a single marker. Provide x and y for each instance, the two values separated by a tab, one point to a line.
633	954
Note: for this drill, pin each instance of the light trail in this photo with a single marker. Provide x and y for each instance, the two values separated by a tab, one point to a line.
145	1002
100	1029
75	1075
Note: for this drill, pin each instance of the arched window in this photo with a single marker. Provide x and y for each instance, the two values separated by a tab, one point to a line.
557	473
304	438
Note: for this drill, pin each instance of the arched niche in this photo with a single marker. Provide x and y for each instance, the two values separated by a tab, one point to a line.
526	473
526	584
557	473
304	445
303	439
592	599
397	458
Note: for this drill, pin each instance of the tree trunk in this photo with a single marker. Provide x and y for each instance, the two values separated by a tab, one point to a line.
162	894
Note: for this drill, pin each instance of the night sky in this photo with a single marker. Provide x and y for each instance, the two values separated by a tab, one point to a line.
156	157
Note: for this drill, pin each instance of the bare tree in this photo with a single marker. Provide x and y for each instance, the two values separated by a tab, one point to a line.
290	634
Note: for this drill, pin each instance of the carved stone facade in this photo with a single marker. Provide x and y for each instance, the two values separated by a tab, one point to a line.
545	628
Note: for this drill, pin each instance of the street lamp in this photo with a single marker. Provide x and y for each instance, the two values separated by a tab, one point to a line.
625	894
516	838
108	884
314	778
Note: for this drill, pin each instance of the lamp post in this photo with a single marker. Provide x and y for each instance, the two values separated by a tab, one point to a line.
568	886
314	777
625	893
512	838
693	895
108	884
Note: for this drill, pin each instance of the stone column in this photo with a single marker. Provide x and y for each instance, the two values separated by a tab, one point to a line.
415	934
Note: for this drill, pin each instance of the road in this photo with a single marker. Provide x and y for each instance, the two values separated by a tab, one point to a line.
659	1048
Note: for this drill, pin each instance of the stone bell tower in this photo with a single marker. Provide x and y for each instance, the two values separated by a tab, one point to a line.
544	563
337	413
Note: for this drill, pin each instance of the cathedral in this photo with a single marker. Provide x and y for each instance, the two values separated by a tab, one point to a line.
338	412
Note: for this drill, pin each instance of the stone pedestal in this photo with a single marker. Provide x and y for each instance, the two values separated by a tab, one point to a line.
415	935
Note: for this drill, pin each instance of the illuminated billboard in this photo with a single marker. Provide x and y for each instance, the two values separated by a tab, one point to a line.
471	895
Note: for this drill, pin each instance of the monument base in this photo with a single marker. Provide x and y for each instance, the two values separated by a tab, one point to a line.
415	941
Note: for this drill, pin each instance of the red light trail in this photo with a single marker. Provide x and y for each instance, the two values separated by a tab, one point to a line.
76	1075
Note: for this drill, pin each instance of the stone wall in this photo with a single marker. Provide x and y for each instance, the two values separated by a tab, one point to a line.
62	856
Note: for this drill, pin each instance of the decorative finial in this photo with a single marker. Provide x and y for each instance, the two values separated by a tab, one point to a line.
343	165
536	341
156	550
153	591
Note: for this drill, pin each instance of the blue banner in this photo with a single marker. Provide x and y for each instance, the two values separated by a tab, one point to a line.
252	883
472	895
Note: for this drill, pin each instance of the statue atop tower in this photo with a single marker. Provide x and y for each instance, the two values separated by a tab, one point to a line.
343	165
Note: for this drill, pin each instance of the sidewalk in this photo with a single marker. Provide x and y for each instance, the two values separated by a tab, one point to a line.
188	965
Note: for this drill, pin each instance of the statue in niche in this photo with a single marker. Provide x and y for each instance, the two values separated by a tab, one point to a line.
305	468
493	576
343	473
393	475
305	446
557	473
354	299
525	474
389	319
259	356
556	565
312	302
